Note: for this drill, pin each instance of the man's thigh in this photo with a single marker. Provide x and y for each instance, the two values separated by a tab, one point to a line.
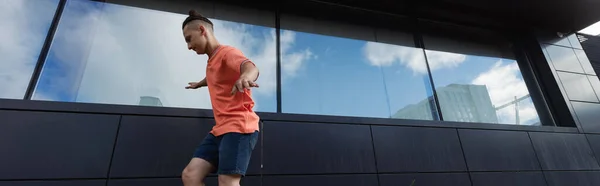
235	150
208	150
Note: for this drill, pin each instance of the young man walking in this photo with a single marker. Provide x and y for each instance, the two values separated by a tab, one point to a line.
227	148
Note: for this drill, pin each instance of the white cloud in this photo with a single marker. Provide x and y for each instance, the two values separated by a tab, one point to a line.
22	35
504	83
138	52
439	60
292	61
381	54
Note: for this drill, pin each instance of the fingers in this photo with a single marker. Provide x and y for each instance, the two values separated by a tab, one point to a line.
241	85
235	89
192	85
246	84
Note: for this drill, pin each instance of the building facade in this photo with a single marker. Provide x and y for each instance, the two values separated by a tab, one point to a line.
356	93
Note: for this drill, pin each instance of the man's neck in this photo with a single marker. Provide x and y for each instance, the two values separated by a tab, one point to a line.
212	47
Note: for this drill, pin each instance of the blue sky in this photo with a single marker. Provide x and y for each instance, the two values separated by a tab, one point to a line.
105	53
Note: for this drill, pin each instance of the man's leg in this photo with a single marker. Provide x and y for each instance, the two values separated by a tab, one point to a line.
235	150
195	172
205	161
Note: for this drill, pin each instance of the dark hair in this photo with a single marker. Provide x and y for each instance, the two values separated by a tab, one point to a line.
193	15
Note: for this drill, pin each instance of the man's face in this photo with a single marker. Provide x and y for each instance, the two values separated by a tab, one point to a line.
195	37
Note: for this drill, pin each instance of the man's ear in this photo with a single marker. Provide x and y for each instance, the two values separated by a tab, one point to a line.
202	29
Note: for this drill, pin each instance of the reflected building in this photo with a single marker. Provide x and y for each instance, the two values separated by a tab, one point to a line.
423	110
150	101
458	102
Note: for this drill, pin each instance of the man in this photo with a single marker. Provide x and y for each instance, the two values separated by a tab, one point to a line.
227	148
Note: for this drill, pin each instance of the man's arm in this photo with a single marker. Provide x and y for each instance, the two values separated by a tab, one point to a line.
249	74
202	83
249	71
195	85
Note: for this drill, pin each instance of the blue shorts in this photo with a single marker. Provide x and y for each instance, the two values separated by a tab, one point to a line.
228	153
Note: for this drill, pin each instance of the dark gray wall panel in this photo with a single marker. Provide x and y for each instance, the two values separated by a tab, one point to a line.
487	150
558	151
206	8
210	181
156	146
425	179
326	27
588	115
146	182
40	145
573	178
595	144
508	178
416	149
245	15
161	146
321	180
55	183
306	148
578	87
592	50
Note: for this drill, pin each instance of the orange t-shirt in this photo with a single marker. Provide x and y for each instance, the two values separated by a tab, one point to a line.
233	113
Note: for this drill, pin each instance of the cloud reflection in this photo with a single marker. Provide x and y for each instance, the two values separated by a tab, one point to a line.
23	28
382	54
505	84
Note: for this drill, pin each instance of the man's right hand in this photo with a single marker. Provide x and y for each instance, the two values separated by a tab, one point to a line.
193	85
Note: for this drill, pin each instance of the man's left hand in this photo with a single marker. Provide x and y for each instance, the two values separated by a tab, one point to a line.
242	84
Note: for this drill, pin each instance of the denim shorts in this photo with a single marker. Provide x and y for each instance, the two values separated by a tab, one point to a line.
228	153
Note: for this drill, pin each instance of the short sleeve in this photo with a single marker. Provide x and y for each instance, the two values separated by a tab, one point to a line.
234	59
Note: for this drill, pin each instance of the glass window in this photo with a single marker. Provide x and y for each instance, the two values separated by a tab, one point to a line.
115	54
564	59
478	83
24	25
327	70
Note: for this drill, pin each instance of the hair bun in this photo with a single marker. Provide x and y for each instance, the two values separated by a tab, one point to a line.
194	13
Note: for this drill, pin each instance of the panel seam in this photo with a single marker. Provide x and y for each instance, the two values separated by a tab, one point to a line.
112	156
538	159
375	155
464	156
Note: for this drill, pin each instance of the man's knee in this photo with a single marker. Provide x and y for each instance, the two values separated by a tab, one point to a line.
190	174
229	180
196	170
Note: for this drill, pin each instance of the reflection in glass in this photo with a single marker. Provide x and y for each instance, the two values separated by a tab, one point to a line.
584	61
474	88
22	35
564	59
328	75
106	53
